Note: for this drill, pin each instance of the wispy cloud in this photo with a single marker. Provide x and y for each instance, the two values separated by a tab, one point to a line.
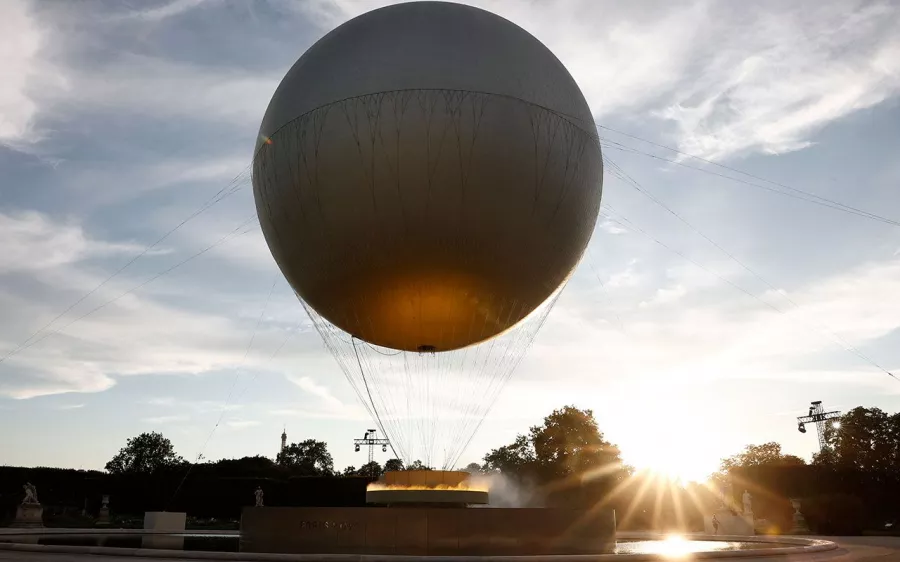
70	407
774	78
325	404
166	419
159	13
716	330
25	72
760	77
34	241
242	424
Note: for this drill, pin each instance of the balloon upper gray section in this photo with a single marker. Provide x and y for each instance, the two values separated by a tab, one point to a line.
422	46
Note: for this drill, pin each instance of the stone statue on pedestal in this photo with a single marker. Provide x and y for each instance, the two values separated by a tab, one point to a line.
30	494
258	494
799	520
748	510
103	520
29	513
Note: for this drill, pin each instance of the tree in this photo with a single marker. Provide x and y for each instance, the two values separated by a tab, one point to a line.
257	466
370	469
516	458
767	454
349	471
307	458
473	468
393	465
868	439
568	443
143	454
418	465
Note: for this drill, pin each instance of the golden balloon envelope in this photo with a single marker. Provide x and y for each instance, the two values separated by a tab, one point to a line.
427	175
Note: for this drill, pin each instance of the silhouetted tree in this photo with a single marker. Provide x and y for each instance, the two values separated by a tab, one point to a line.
393	465
517	458
418	465
568	443
349	471
307	458
473	468
868	439
767	454
143	454
257	466
370	469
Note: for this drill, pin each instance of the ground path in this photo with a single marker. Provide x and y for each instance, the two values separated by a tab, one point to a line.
852	549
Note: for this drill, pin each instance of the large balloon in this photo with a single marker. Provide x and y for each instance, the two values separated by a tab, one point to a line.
427	175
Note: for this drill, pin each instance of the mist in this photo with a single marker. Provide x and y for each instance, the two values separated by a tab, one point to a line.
503	491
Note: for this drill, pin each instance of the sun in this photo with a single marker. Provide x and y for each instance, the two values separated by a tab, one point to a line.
679	470
671	434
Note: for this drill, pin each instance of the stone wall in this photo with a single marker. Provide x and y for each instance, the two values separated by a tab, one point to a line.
427	531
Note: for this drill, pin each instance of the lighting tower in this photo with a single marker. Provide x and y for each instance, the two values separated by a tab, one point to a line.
818	416
370	440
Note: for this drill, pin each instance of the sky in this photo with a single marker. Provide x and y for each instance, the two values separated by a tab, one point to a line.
689	333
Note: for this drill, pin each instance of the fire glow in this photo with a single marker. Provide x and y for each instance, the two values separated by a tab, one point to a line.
462	486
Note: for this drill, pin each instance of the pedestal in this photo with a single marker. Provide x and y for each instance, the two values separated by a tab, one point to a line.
427	531
103	519
164	521
800	527
29	515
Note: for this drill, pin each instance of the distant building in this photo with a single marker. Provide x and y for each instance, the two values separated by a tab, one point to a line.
283	440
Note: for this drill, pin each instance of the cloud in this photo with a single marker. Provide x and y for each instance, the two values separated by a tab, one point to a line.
611	227
242	424
32	241
166	419
166	401
625	278
325	404
777	77
133	334
142	85
159	13
665	296
70	407
25	72
726	334
762	77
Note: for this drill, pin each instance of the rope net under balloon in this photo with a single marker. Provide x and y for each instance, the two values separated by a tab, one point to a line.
430	405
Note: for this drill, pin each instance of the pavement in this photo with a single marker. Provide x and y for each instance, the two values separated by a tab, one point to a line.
851	549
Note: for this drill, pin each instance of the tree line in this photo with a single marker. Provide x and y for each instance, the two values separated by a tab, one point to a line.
568	442
564	461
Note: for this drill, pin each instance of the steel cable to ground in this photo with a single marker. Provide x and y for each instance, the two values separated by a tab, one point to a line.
221	240
804	195
227	401
621	174
618	218
222	194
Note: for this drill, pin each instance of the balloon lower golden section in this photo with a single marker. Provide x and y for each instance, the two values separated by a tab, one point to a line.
425	311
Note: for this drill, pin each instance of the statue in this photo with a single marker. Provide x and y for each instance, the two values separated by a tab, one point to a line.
30	494
103	519
799	520
29	513
259	497
746	498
